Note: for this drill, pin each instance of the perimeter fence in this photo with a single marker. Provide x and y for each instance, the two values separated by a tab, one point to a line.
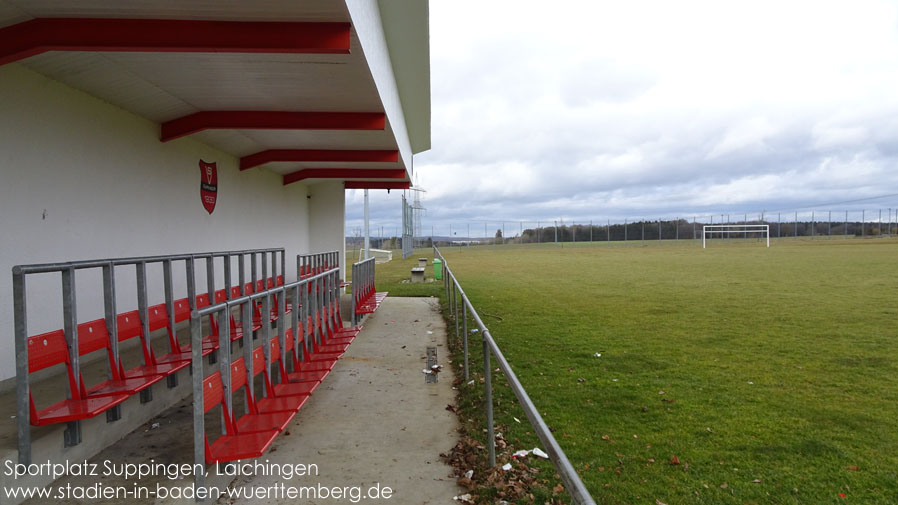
813	225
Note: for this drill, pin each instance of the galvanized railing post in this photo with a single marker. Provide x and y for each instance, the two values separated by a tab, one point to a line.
70	325
282	340
146	395
23	410
283	265
241	273
455	308
224	362
227	275
199	426
294	321
246	318
488	400
464	308
264	271
109	310
171	380
266	334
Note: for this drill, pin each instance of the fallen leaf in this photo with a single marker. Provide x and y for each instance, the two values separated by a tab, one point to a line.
675	461
853	468
757	481
724	485
651	460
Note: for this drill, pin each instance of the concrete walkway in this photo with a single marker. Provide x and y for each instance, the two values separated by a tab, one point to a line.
374	420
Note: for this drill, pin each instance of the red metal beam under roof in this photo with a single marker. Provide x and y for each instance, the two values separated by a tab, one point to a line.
261	158
271	120
376	185
167	35
345	173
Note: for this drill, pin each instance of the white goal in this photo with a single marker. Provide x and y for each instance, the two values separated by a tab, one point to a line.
379	255
729	229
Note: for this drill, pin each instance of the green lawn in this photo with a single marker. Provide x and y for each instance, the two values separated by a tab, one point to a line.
771	374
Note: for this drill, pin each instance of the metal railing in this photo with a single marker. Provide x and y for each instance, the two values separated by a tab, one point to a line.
362	284
314	263
568	474
315	309
67	270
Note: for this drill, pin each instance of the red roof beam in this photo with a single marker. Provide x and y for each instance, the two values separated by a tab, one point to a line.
299	155
376	185
345	173
271	120
39	35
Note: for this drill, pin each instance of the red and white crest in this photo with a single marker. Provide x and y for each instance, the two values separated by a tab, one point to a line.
208	185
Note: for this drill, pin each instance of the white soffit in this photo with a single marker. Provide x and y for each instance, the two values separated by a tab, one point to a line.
165	86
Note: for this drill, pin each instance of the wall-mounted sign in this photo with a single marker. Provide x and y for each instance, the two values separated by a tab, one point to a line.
208	185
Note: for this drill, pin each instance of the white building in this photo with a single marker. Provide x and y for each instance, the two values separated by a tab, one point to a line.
107	109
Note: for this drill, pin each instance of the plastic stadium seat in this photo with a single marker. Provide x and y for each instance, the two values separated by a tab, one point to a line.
158	320
272	401
253	420
232	445
50	349
129	327
92	337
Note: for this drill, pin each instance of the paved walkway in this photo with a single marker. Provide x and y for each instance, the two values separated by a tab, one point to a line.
374	420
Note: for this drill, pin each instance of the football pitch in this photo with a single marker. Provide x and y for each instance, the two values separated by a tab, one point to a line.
734	374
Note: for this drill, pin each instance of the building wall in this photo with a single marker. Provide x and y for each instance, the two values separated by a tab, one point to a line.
82	179
328	220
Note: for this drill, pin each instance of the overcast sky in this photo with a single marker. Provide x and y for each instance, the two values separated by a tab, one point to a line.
590	110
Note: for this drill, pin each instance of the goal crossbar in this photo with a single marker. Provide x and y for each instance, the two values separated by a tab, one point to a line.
735	228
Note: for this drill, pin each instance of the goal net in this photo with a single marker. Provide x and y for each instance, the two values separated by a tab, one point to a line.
726	230
379	255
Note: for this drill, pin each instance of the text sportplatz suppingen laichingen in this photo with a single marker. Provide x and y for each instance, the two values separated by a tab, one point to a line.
170	471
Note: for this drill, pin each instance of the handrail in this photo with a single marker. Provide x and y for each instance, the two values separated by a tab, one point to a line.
67	270
572	482
315	299
362	284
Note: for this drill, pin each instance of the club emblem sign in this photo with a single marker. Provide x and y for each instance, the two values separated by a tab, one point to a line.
208	185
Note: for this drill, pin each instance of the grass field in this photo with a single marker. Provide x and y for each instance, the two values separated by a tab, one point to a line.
770	374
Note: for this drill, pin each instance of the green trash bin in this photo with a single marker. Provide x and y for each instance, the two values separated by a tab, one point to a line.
437	269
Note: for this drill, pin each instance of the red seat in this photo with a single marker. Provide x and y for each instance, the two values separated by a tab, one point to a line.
287	387
158	316
232	445
253	420
274	402
129	327
49	349
93	336
300	376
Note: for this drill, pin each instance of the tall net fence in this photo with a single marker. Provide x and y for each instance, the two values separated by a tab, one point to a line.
864	223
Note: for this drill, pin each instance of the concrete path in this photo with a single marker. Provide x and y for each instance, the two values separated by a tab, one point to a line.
374	421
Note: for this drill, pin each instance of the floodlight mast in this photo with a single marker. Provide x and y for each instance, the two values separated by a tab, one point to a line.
367	228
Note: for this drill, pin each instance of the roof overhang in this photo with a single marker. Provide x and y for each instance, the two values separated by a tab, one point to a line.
286	86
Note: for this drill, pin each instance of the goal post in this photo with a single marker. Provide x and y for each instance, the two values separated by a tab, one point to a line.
379	255
735	228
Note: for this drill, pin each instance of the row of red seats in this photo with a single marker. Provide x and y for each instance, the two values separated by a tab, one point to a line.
50	349
251	434
365	298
